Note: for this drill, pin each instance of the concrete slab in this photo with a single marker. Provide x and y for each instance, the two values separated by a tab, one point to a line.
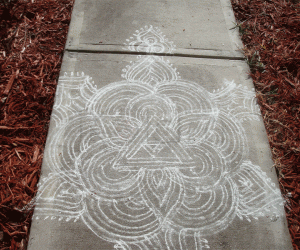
157	153
196	27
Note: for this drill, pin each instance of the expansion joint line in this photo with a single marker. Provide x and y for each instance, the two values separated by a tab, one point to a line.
122	52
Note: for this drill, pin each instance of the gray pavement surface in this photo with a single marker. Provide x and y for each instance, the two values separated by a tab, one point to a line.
197	28
156	146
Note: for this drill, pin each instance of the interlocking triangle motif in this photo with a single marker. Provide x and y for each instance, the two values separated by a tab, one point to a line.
153	147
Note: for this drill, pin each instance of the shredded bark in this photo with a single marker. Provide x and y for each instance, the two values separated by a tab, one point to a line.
270	31
33	34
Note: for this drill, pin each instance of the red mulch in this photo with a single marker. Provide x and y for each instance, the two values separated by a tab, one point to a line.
271	34
33	34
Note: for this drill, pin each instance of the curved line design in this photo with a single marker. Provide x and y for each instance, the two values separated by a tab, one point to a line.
152	161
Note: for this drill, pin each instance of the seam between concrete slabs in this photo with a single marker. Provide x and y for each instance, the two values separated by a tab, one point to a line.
83	50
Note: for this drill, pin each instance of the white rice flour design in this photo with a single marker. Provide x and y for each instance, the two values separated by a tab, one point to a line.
152	161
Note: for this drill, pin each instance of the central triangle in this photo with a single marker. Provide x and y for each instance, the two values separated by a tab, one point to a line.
156	147
153	147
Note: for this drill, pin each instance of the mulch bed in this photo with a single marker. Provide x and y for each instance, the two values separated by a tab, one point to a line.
270	31
33	34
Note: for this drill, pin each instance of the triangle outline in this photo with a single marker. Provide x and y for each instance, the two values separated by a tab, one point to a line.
180	157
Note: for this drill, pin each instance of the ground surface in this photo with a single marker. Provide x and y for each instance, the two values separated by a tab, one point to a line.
271	33
33	34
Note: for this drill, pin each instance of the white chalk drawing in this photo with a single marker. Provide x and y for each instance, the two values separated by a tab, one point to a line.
152	161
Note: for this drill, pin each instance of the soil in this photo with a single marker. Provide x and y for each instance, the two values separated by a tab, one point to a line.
33	34
270	31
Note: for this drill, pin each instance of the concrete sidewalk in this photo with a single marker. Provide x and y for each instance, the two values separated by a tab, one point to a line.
158	144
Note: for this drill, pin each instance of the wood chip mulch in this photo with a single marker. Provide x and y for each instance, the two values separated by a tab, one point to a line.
32	38
270	31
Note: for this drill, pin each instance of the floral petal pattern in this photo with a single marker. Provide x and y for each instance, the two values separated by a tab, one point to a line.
152	161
